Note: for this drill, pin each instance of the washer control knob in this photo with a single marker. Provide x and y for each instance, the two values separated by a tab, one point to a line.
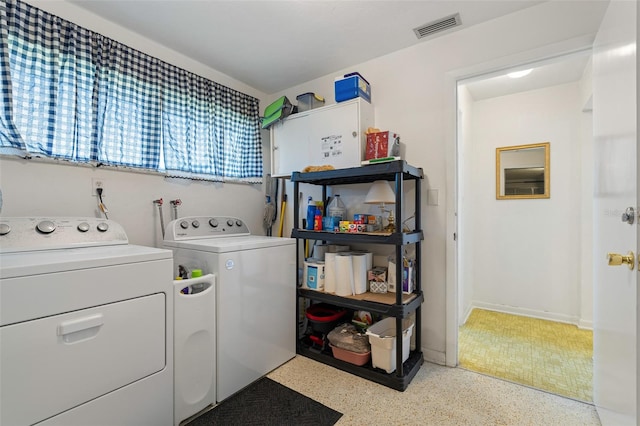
4	229
184	224
103	227
46	227
83	227
213	223
238	222
230	222
195	224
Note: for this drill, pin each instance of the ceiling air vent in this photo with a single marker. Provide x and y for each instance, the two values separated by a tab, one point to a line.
431	28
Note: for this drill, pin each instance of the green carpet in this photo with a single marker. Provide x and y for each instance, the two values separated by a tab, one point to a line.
551	356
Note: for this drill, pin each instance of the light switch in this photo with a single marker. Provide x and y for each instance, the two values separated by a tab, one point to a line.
432	197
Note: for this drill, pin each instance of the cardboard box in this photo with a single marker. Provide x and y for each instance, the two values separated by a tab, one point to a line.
408	276
374	223
377	278
382	145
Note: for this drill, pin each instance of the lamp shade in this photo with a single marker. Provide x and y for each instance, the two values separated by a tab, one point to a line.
380	193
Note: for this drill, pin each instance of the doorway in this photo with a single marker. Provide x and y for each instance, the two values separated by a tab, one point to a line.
529	258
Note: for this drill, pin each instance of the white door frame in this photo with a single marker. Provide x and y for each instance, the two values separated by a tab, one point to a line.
451	247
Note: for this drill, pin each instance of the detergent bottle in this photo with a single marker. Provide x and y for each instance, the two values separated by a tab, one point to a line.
336	211
311	213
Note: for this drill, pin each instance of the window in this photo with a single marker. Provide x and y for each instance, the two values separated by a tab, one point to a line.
70	93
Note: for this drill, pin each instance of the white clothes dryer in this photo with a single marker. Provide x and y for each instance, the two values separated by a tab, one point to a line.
255	294
86	325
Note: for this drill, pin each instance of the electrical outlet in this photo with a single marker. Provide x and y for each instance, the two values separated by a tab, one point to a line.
95	184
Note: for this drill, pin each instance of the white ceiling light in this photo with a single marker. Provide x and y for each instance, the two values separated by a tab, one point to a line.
518	74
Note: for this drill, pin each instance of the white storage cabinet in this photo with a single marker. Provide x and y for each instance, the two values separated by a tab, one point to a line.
331	135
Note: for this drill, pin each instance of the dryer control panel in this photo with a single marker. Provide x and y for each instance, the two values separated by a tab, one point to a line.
195	227
18	234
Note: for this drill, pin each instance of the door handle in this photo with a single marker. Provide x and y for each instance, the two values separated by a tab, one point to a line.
616	259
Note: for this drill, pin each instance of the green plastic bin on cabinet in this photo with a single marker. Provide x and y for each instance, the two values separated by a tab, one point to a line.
276	111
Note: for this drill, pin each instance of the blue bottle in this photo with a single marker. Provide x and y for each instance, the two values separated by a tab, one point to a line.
311	212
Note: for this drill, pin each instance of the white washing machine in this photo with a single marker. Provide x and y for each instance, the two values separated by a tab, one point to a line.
194	354
86	325
255	294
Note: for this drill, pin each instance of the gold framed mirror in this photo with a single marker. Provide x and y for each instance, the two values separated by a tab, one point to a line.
522	171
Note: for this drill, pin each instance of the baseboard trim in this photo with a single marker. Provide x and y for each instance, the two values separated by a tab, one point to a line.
551	316
467	312
435	357
585	324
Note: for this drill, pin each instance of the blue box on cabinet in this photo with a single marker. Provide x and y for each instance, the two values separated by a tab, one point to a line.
351	86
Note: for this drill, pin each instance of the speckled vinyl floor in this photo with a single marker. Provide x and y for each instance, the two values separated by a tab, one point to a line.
547	355
437	395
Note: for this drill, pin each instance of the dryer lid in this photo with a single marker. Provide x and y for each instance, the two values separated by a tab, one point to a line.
50	261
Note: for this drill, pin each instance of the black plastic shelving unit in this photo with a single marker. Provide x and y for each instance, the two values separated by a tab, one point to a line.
397	172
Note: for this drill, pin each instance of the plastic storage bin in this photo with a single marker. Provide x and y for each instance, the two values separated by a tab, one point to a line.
308	101
351	86
350	356
382	336
276	111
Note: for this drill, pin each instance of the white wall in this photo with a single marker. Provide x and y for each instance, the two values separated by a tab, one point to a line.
33	188
526	252
413	92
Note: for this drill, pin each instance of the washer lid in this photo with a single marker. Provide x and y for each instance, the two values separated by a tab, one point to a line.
49	261
229	244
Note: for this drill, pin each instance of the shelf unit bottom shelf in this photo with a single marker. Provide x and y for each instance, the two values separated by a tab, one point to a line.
391	380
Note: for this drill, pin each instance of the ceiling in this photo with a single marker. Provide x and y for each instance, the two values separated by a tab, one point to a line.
273	45
552	72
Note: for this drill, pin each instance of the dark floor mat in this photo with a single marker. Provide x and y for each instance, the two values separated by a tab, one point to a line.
268	403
